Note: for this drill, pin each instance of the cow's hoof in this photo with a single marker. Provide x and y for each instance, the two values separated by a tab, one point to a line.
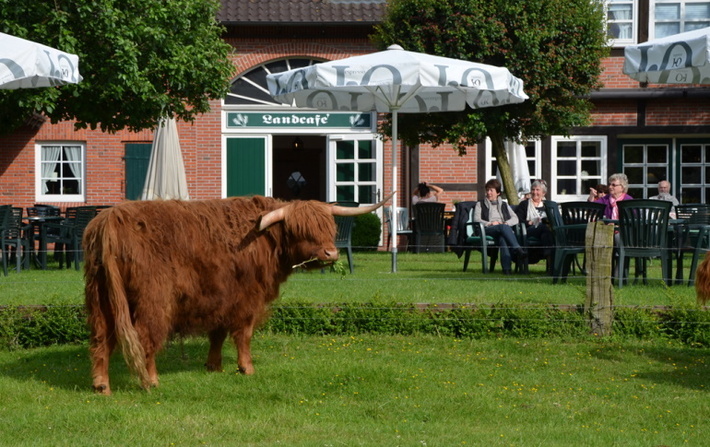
102	389
213	368
246	370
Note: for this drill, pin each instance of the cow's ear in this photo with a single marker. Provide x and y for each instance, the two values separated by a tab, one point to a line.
271	218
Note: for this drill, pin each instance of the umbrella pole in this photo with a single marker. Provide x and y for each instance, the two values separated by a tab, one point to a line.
393	218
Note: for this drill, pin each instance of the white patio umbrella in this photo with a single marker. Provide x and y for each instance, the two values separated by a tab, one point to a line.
166	177
678	59
396	81
518	160
27	64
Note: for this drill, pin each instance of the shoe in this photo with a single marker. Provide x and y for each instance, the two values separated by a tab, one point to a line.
521	253
507	272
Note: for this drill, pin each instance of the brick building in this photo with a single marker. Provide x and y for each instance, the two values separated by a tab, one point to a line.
249	144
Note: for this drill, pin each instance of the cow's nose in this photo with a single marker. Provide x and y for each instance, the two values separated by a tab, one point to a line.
331	254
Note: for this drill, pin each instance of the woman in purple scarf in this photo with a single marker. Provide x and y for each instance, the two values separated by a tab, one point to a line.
618	185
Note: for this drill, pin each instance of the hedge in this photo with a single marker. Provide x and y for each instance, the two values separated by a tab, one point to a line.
28	327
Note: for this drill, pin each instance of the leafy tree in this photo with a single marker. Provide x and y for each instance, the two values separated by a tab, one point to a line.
140	59
554	46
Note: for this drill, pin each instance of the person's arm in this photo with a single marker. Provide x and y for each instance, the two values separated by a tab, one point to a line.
593	194
477	214
435	188
513	217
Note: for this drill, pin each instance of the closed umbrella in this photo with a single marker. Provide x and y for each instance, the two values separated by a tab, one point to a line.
27	64
396	81
677	59
166	177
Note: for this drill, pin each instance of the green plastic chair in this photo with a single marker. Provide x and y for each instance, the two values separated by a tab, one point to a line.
569	241
429	232
693	237
643	234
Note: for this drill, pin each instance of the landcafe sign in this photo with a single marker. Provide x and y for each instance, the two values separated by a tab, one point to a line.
299	120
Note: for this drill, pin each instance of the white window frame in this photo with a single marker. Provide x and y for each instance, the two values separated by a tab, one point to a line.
40	195
684	24
579	173
332	182
633	21
536	158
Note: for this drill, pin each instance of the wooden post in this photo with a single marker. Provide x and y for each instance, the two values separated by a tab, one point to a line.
598	306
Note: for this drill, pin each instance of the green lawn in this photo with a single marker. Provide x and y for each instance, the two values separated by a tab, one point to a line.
421	278
370	391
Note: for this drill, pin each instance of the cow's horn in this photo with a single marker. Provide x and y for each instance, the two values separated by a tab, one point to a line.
352	211
272	217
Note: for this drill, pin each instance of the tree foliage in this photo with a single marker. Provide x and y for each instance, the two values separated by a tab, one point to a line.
140	59
554	46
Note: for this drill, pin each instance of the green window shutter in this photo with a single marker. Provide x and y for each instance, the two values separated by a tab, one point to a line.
246	166
137	157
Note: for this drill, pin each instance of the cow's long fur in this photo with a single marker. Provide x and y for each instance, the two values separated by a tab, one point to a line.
157	267
702	280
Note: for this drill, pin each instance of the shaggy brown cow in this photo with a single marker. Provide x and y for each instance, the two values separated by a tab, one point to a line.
159	267
702	280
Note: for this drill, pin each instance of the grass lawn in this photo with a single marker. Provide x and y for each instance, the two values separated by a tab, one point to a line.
369	391
421	278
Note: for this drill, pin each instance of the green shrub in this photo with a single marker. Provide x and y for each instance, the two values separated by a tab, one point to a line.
28	327
366	232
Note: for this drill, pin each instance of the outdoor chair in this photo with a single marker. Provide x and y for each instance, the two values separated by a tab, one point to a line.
569	241
403	228
643	233
16	237
692	236
429	229
582	212
5	215
344	235
68	233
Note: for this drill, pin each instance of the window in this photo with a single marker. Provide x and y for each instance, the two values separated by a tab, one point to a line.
669	17
694	178
621	21
60	172
355	170
250	88
533	151
578	163
645	165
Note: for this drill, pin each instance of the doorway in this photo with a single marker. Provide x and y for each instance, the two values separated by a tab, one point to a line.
299	167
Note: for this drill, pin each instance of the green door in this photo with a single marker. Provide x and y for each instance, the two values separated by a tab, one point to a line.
137	157
246	166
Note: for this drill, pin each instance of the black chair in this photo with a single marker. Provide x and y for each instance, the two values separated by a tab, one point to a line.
344	235
5	216
68	233
693	236
343	238
576	213
569	241
429	229
16	237
643	233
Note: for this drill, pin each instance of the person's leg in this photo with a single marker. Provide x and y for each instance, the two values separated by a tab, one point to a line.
498	232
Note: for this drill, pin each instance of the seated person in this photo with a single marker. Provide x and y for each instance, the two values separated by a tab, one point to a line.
532	212
498	218
664	193
618	185
426	192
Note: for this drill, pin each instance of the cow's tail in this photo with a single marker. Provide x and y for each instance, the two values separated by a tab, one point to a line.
126	334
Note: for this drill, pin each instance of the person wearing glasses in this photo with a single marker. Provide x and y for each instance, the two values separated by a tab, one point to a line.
498	218
618	185
532	212
664	193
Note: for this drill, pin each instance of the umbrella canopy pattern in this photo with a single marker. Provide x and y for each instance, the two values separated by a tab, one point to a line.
678	59
396	81
166	177
27	64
